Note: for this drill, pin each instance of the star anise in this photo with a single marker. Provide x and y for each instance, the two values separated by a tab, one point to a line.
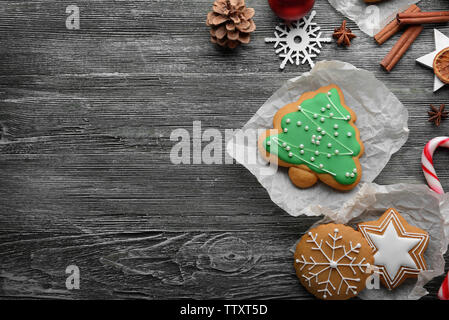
436	115
343	35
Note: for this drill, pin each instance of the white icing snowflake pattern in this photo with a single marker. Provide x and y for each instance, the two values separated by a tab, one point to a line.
333	264
298	42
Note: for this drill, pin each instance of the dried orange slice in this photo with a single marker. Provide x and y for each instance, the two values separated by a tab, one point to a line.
441	65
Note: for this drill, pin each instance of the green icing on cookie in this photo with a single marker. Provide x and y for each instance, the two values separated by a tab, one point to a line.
319	135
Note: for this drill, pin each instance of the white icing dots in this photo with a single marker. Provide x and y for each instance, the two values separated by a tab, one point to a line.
348	118
352	175
268	143
349	134
355	170
329	93
316	118
347	174
336	230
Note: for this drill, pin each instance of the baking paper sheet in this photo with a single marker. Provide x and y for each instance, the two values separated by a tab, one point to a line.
371	18
420	206
381	119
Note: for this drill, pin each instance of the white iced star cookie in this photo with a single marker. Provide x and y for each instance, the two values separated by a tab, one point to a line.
333	261
398	247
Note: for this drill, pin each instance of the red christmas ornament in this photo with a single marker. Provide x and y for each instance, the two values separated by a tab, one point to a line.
291	10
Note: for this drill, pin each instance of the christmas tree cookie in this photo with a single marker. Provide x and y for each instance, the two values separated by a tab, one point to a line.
315	137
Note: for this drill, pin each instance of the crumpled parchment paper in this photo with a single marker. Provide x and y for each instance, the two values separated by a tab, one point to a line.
420	206
381	119
371	18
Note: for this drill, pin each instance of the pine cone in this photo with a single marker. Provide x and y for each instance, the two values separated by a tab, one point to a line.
230	22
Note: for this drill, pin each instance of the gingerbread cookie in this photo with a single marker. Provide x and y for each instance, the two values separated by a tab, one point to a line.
333	261
315	137
397	246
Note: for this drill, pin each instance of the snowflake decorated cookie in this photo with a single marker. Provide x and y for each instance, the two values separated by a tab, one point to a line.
398	247
316	138
333	261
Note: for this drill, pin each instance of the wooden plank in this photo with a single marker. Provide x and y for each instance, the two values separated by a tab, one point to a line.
85	123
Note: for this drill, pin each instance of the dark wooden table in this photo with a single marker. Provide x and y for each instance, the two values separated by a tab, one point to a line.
85	174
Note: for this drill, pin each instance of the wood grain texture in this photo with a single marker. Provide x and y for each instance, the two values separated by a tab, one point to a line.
85	123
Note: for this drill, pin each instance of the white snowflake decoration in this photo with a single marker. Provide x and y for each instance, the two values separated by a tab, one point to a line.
332	264
299	41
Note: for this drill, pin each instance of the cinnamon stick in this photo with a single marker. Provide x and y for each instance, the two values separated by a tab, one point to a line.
422	17
393	27
401	46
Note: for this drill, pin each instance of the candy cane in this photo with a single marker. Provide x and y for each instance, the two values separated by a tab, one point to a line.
427	162
443	293
435	185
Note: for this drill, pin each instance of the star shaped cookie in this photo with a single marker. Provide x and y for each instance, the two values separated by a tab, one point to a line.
398	247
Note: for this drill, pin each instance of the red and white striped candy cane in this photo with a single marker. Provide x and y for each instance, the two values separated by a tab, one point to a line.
427	162
435	185
443	293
